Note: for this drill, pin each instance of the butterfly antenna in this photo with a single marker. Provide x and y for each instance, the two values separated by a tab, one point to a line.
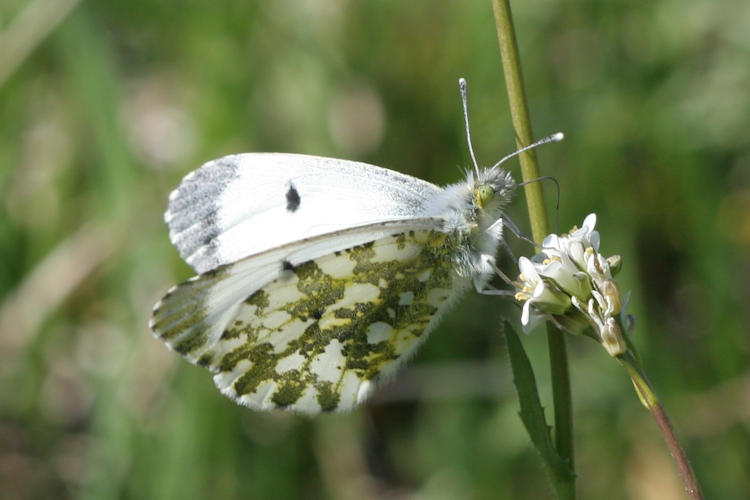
550	138
462	89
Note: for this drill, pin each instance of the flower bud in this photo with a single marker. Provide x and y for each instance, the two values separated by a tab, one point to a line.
611	338
611	290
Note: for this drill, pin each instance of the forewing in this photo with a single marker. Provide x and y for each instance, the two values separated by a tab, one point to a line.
317	333
245	204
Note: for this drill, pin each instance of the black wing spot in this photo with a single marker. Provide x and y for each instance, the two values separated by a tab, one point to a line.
287	266
292	199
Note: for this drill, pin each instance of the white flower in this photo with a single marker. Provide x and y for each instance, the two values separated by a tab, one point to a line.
538	297
566	276
574	243
571	271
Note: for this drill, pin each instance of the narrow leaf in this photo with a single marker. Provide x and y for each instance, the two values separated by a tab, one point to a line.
532	411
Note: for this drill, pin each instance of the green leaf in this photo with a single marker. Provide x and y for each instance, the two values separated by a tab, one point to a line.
532	411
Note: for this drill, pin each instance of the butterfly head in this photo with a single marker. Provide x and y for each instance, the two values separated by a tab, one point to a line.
492	189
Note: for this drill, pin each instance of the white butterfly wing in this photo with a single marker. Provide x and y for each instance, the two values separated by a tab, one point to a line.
310	326
245	204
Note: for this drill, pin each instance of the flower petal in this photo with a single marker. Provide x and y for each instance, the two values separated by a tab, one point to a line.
590	222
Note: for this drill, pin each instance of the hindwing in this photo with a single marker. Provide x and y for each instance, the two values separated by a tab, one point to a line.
316	335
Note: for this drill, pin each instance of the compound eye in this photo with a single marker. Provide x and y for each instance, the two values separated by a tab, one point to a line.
484	195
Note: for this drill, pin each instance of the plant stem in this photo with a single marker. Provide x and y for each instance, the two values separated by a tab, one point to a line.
561	396
539	228
650	400
519	113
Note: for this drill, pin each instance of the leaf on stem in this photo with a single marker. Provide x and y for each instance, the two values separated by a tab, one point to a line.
532	411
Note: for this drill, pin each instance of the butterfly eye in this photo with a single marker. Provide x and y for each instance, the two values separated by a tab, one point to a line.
483	195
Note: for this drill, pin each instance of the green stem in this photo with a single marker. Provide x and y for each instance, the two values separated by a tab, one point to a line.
650	400
561	397
539	229
519	113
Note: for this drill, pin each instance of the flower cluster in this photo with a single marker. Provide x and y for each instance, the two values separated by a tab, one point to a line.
572	284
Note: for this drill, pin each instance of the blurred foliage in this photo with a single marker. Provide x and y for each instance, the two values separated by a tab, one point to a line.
118	100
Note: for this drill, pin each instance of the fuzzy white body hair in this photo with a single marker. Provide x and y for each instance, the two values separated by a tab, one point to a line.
479	226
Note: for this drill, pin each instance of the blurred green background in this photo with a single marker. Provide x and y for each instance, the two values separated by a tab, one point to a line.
104	106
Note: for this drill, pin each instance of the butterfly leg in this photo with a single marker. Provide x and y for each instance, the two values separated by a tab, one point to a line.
505	221
490	290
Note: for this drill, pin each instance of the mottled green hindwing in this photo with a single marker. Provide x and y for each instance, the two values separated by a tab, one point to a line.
318	336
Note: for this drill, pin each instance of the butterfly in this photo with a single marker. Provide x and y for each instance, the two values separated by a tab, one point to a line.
318	277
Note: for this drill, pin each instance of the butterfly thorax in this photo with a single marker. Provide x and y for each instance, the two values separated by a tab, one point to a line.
472	210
